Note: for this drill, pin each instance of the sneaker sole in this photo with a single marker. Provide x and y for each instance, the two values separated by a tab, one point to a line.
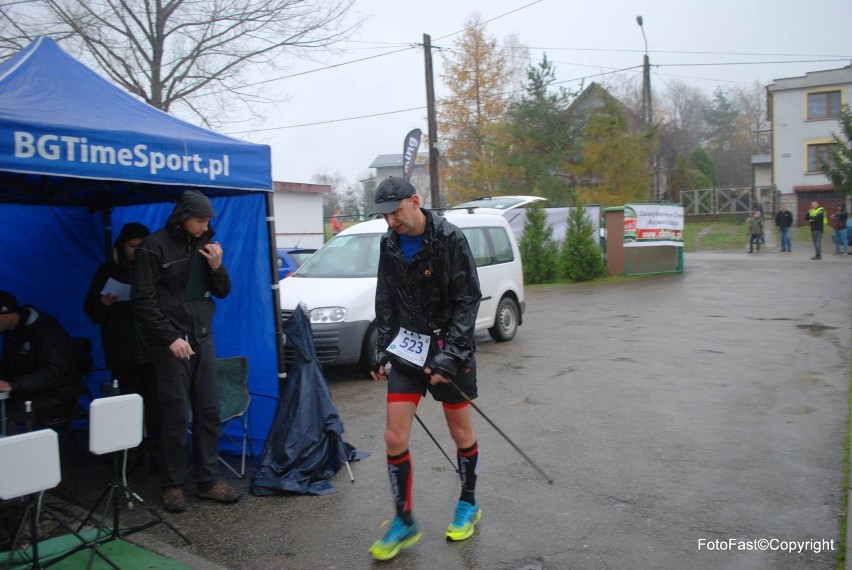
467	532
392	553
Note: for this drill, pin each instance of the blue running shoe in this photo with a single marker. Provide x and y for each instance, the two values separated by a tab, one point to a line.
464	521
398	536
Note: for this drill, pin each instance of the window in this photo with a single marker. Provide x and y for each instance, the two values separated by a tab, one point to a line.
825	105
489	246
817	154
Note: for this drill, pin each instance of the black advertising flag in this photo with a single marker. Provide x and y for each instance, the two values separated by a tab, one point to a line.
409	152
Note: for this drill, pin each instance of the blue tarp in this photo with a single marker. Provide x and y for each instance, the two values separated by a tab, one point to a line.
56	215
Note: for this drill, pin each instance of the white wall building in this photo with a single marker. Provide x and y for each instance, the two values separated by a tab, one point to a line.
298	214
804	113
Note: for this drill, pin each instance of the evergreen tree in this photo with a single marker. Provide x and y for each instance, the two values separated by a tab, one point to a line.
539	252
580	258
538	139
838	167
706	175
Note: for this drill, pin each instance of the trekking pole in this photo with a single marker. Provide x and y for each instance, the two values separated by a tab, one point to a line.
541	471
456	469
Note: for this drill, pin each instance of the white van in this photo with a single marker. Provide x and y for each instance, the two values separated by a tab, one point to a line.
337	287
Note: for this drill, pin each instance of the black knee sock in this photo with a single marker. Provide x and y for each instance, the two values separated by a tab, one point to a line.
468	459
399	472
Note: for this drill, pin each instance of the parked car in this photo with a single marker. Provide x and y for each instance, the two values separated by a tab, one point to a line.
498	204
290	258
337	287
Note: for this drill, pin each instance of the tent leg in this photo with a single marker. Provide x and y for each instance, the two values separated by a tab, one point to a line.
348	468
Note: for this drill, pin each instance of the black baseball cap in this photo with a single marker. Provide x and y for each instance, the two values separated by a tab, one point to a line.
391	192
8	303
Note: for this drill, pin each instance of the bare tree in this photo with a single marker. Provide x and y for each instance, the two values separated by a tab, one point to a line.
682	129
196	53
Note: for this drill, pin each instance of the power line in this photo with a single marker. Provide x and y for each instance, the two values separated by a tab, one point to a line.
406	48
493	19
751	54
408	110
748	63
315	123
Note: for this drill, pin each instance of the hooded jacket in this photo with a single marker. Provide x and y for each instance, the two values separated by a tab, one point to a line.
166	268
436	294
120	333
38	357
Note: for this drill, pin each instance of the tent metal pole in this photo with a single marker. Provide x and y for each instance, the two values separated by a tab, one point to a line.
276	301
106	218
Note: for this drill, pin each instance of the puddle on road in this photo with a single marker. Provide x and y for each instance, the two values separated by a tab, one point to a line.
816	328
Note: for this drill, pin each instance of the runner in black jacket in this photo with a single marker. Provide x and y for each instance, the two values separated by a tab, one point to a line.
427	297
176	271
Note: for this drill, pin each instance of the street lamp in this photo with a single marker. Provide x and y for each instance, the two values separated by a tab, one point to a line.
647	109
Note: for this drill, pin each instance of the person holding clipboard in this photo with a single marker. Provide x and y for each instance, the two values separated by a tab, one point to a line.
108	304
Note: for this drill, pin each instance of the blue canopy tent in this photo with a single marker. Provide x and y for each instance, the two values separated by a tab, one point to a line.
79	156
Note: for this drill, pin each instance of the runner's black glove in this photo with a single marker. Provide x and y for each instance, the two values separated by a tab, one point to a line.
382	358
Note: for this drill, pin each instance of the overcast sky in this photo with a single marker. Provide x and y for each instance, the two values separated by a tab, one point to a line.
318	129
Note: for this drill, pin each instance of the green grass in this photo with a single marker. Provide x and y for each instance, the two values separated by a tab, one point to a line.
844	495
700	236
732	236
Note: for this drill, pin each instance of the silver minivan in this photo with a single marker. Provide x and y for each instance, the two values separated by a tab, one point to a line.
337	287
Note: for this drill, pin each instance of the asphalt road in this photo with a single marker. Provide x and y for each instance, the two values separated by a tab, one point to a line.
683	418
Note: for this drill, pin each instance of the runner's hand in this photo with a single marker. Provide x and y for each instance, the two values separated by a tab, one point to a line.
435	378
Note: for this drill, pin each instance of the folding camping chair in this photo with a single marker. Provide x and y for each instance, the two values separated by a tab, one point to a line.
234	402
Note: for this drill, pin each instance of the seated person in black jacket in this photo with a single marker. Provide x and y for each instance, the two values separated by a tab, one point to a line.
38	363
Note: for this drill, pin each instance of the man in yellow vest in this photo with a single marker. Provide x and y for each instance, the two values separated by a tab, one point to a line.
816	217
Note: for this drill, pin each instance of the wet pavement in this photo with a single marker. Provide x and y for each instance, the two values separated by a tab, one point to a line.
683	418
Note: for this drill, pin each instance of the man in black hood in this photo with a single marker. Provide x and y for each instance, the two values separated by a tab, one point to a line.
176	271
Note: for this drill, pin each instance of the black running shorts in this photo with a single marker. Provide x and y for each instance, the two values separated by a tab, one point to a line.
406	381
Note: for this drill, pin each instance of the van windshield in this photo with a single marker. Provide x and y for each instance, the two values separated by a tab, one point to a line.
355	255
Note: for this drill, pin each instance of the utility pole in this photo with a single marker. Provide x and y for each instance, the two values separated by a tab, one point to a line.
647	111
647	108
433	125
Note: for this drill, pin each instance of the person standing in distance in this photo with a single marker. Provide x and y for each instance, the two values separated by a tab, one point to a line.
427	297
838	222
816	218
784	221
176	271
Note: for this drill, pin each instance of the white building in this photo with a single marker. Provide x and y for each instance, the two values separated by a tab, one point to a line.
391	165
298	214
804	114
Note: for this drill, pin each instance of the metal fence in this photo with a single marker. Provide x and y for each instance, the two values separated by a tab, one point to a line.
732	200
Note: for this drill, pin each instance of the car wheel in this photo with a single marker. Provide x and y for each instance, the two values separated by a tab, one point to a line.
506	321
368	350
